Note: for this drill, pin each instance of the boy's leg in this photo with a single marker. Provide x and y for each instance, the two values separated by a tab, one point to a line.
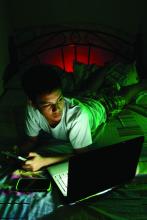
114	104
129	93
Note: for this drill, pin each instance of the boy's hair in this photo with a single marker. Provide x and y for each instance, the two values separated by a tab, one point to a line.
40	79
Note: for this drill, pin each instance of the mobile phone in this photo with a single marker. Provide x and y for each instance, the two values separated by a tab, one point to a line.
33	185
14	156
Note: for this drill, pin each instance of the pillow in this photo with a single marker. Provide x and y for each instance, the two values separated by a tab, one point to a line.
115	72
73	82
90	78
82	71
132	76
120	74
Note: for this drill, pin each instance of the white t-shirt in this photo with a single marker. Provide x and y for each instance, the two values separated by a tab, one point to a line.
79	121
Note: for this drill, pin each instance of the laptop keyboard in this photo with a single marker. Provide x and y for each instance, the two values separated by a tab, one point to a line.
62	179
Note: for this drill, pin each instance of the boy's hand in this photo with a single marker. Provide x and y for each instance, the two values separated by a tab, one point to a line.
34	162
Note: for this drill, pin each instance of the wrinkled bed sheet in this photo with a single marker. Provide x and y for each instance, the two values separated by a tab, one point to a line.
127	202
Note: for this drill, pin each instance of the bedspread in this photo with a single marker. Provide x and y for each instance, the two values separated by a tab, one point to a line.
127	202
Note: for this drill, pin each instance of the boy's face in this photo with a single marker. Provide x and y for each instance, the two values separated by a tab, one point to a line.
51	106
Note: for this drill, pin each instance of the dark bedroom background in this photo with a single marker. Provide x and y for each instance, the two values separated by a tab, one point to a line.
125	15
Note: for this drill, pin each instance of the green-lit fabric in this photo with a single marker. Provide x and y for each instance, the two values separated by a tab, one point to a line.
141	168
95	111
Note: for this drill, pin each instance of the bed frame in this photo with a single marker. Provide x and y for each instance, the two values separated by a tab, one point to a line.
61	45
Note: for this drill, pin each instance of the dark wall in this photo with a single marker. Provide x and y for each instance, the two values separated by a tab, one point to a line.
122	14
4	32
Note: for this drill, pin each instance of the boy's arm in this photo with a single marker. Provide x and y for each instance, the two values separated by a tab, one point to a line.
36	161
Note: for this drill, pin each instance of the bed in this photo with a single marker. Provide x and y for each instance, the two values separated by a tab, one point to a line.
78	52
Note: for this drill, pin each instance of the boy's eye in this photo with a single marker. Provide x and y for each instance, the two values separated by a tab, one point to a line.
60	99
50	105
46	106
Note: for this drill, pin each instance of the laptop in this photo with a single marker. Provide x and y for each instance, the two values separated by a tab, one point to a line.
97	171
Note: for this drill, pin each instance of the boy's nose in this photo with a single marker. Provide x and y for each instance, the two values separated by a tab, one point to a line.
54	107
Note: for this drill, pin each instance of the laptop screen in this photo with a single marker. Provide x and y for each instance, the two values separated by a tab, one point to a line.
103	168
